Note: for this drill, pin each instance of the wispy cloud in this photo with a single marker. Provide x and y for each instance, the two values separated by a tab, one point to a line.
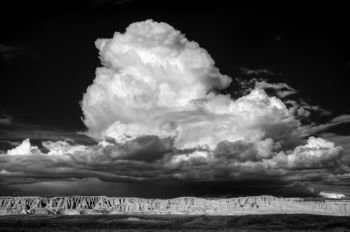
99	3
9	53
256	72
322	128
5	119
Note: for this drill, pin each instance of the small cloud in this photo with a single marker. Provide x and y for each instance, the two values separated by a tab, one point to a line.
25	148
12	143
282	89
10	53
121	2
5	119
277	38
255	72
332	195
4	172
98	3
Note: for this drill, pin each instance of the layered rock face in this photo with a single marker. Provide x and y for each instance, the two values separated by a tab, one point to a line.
77	205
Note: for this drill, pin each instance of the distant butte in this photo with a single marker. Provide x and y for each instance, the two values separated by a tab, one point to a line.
77	205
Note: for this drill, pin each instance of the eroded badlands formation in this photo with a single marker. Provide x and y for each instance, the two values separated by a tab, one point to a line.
185	205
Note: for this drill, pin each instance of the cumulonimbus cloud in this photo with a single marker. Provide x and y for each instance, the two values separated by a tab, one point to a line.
156	107
156	82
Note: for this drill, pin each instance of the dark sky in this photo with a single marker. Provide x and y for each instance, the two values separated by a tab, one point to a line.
48	59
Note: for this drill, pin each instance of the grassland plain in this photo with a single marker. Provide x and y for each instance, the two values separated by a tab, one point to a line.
143	223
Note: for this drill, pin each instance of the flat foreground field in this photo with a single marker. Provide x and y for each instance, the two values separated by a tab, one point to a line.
104	223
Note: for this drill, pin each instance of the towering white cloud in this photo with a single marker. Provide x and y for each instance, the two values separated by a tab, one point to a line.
153	81
157	82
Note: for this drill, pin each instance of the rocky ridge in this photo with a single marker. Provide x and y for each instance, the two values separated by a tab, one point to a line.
76	205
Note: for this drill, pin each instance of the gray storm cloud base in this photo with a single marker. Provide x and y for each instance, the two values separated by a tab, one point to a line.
77	205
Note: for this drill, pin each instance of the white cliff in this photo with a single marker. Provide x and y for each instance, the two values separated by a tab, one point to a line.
77	205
